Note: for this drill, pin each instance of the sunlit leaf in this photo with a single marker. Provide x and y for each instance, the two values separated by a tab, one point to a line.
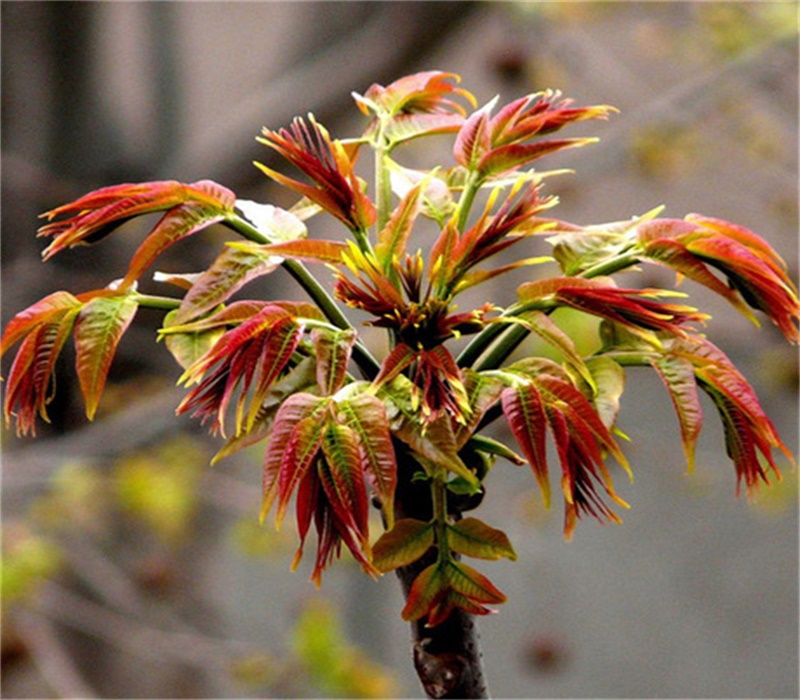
310	249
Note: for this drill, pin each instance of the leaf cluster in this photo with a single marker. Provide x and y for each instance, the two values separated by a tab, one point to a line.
336	420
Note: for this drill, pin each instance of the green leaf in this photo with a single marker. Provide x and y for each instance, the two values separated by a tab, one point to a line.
188	348
472	584
406	542
474	538
609	383
98	329
482	392
540	323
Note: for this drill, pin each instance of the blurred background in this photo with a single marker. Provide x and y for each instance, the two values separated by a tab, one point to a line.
132	569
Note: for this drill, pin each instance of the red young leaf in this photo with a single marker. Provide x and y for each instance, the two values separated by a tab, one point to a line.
292	411
98	328
332	350
247	359
96	214
31	373
303	444
677	373
343	481
43	311
365	414
427	92
178	223
755	272
308	146
524	411
392	238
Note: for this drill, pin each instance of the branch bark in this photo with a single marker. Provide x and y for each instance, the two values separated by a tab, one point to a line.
447	658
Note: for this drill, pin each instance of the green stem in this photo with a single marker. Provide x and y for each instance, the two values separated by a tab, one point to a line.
383	184
475	348
467	198
499	353
514	336
611	265
320	296
157	302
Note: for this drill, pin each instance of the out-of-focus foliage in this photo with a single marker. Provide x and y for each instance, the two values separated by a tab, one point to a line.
319	661
158	487
28	559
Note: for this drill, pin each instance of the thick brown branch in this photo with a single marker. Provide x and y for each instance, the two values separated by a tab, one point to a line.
447	657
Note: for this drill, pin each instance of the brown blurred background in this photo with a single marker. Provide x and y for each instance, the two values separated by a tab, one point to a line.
131	569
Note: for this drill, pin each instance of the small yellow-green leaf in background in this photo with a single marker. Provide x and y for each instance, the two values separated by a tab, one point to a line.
77	498
335	666
256	670
28	559
159	486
